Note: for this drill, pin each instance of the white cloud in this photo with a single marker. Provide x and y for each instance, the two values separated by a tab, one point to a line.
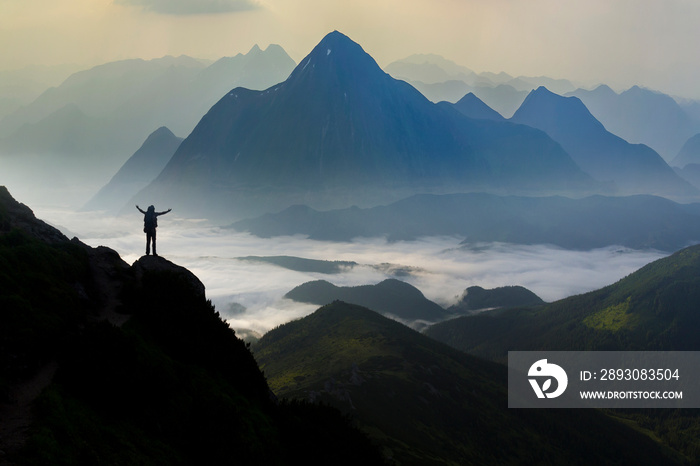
441	269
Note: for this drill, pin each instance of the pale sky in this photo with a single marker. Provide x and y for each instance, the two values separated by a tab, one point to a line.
652	43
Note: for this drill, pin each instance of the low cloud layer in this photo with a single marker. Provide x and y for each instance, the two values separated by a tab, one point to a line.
439	267
192	7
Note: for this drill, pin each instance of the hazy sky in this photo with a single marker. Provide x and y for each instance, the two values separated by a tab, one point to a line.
621	42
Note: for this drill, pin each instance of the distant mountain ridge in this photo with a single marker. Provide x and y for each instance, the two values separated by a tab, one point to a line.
340	128
650	309
641	116
476	298
473	107
137	172
635	221
440	79
634	168
85	129
429	68
689	153
392	298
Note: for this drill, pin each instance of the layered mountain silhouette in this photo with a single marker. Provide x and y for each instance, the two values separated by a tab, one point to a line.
339	129
68	148
592	222
689	153
137	172
170	91
641	116
634	168
391	297
85	129
430	69
690	173
125	99
476	298
22	86
473	107
440	79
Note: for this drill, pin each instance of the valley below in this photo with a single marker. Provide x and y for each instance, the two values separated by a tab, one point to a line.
249	294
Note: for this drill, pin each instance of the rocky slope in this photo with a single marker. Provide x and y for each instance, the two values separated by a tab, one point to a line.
106	363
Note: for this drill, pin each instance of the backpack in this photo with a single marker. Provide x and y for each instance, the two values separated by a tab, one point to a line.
150	220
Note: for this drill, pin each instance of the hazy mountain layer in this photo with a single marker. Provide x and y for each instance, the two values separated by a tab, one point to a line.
81	132
597	221
21	86
443	80
339	131
429	69
689	153
690	173
137	172
641	116
473	107
633	168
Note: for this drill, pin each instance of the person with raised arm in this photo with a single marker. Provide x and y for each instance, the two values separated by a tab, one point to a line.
150	223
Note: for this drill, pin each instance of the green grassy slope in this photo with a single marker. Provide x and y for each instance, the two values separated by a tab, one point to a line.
654	308
428	403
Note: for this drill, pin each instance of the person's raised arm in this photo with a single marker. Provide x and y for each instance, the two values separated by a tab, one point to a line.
164	212
140	209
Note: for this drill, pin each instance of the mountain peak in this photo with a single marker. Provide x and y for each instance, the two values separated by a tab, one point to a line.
336	37
604	88
338	124
542	101
473	107
338	42
542	91
339	55
163	131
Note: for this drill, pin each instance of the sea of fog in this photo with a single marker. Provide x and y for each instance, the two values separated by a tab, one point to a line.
250	295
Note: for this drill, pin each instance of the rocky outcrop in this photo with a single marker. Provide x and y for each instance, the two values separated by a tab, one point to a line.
14	214
158	264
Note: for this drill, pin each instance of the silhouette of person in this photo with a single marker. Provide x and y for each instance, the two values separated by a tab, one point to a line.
150	223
